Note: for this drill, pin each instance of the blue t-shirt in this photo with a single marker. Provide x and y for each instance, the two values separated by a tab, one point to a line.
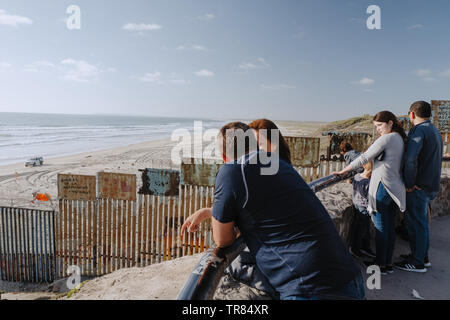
361	191
285	226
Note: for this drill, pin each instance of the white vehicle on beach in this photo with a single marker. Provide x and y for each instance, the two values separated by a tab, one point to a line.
38	161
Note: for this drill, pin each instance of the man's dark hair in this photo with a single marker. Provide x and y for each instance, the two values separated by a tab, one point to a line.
344	146
421	109
231	137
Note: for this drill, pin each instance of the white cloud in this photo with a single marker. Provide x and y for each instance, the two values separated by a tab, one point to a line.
141	27
196	47
39	65
277	86
199	47
5	65
13	20
206	17
365	82
422	72
415	26
158	78
204	73
445	73
260	63
79	70
154	77
175	78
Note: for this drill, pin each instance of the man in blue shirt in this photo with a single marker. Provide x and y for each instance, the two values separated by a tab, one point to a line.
422	175
286	228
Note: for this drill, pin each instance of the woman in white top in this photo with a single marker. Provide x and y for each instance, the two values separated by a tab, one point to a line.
386	190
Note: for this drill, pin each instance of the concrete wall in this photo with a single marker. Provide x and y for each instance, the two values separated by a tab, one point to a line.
343	218
441	205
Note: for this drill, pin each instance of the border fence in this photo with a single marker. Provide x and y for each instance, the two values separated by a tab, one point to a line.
101	235
27	245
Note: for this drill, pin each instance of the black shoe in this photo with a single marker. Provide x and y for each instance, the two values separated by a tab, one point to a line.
426	263
407	266
384	270
368	252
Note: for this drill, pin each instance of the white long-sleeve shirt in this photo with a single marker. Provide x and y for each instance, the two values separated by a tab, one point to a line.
387	171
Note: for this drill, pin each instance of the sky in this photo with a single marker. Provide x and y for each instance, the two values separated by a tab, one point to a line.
305	60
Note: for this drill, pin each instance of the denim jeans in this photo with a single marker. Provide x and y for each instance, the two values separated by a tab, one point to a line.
353	290
360	233
416	221
384	222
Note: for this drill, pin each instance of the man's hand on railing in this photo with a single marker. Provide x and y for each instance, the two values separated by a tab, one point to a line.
192	223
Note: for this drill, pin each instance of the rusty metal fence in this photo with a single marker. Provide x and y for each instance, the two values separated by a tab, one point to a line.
101	235
105	235
27	245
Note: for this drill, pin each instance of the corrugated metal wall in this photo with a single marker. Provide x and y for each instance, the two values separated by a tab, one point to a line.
27	245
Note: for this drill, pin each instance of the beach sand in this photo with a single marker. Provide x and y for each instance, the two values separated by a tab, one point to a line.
17	182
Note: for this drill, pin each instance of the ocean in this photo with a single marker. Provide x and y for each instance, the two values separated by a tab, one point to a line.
27	135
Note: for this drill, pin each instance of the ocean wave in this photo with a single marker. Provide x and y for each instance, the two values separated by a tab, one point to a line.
35	135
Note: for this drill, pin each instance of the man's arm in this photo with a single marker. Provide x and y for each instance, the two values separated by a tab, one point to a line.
414	146
226	205
192	223
224	234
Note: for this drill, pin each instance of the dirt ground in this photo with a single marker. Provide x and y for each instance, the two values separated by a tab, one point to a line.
432	285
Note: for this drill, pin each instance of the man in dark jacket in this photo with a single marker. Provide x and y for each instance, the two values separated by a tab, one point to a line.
422	175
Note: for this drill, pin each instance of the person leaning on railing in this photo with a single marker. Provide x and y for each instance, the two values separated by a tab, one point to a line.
285	226
386	188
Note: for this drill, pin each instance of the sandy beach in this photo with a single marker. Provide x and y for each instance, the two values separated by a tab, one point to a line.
17	182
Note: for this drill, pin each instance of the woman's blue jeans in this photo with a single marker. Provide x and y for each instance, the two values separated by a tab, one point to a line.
384	222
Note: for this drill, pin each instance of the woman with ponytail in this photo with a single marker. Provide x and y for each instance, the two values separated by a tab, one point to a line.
386	190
